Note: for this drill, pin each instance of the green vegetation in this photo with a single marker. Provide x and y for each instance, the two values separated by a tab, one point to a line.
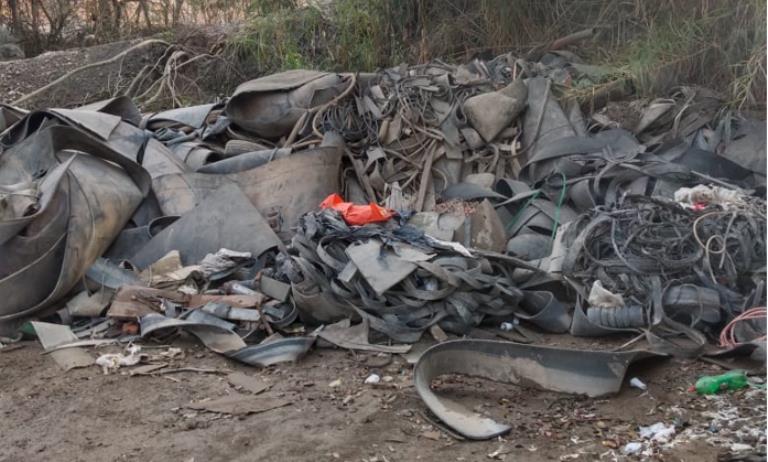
281	40
657	43
719	45
348	34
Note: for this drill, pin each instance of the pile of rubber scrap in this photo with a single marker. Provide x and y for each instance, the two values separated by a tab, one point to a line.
403	281
477	198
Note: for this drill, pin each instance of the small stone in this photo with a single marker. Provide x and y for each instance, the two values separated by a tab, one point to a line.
610	444
431	435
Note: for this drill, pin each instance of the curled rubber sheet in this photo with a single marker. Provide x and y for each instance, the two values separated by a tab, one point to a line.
419	281
96	124
544	310
89	204
285	188
118	133
544	121
225	219
382	269
52	336
194	155
217	335
244	161
192	116
270	106
104	273
179	193
316	306
273	352
344	335
121	106
489	113
290	187
469	192
130	240
747	147
9	115
585	372
208	328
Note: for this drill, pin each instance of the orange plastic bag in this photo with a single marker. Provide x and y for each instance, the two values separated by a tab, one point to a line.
356	214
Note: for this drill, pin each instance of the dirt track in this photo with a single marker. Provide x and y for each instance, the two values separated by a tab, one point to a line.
83	415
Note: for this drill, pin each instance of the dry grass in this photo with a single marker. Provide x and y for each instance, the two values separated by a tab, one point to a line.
717	44
659	44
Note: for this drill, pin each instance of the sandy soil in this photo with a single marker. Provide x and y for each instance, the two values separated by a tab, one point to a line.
84	415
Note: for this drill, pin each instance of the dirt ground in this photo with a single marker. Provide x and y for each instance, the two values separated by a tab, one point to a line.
84	415
22	76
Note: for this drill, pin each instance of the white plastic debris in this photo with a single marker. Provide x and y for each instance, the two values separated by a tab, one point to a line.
335	383
600	297
222	261
632	448
188	289
507	326
703	195
637	383
171	352
658	432
373	379
499	453
113	361
455	246
739	447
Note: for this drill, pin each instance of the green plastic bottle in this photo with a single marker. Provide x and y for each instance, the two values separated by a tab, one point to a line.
731	380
